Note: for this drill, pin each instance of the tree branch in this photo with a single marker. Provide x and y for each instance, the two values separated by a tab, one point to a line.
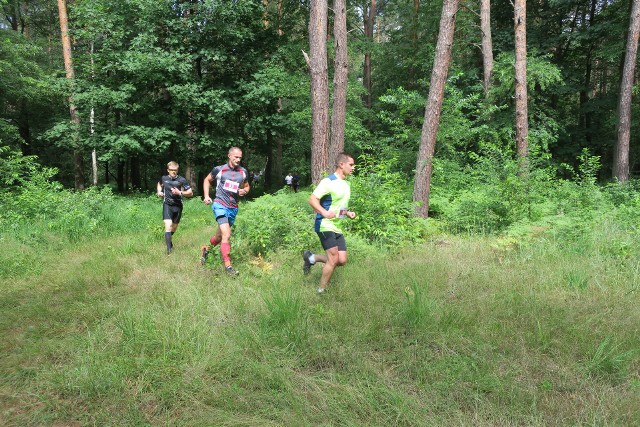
464	6
306	58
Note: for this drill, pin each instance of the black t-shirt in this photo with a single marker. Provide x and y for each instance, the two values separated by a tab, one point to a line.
168	183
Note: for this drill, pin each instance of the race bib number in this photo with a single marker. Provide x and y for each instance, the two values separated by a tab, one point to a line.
342	213
231	186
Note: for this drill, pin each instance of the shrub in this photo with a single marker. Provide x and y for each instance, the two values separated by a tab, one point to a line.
27	191
31	203
477	211
272	222
382	199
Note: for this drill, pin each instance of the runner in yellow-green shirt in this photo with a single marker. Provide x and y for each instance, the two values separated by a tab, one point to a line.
330	201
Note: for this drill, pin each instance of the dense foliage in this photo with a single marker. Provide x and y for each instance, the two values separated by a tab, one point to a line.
161	80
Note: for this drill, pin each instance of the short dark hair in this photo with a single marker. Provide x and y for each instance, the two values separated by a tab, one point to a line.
343	157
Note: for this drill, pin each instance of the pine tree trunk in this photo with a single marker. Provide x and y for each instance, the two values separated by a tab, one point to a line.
424	164
134	168
276	154
369	24
277	151
411	72
522	111
341	65
621	159
319	89
13	16
73	111
586	116
191	149
121	178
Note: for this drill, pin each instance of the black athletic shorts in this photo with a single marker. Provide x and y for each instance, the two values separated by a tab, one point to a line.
329	240
172	212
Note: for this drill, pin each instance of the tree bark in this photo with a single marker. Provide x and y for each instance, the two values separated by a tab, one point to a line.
280	31
522	111
92	128
191	150
411	71
13	16
277	161
24	128
134	168
121	178
319	89
25	24
94	154
621	159
424	164
265	14
78	161
276	156
341	66
369	24
585	116
487	45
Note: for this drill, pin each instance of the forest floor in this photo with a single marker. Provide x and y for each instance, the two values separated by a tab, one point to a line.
459	331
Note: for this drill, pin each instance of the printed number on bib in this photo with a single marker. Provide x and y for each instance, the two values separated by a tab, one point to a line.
231	186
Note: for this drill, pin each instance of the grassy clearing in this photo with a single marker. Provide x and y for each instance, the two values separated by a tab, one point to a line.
458	331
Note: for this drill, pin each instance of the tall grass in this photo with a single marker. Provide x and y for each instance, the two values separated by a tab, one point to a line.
538	326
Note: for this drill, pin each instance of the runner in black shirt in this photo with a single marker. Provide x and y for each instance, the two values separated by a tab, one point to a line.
172	188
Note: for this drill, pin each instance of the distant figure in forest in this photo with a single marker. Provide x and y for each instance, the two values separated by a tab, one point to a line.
295	181
172	188
289	180
330	201
232	182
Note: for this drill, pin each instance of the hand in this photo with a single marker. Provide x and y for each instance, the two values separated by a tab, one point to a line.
160	194
207	200
351	214
175	191
329	214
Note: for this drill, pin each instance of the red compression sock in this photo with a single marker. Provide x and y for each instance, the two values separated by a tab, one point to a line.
225	251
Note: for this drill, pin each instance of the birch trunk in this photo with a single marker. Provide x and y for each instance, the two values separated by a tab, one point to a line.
487	44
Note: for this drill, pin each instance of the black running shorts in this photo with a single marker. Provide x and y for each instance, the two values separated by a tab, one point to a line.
172	212
329	240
